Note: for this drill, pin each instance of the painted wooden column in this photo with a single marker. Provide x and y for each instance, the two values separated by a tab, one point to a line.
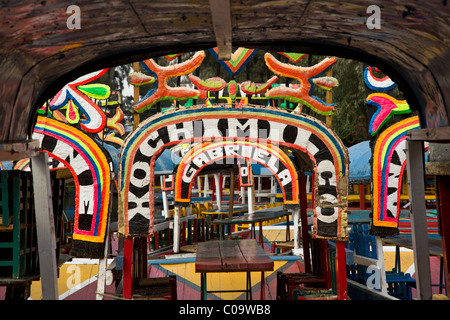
221	178
273	189
416	176
102	263
45	226
231	201
243	195
199	183
218	191
380	264
176	229
295	216
250	199
259	188
206	186
165	204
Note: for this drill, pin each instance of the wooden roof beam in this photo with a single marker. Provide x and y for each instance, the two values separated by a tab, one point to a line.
439	134
221	19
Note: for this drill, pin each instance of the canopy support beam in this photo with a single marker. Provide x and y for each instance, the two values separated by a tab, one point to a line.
416	176
221	19
45	226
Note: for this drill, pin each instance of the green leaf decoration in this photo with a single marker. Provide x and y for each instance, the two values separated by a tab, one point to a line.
96	90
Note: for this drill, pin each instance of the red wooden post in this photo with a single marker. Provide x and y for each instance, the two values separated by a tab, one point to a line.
304	220
288	229
202	230
213	196
211	227
220	188
183	233
263	287
143	258
127	267
324	267
195	239
443	202
156	235
261	238
341	273
327	264
362	200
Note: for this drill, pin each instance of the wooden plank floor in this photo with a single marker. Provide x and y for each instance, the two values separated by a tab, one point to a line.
276	235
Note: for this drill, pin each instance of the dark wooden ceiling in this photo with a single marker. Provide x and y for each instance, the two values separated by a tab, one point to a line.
39	54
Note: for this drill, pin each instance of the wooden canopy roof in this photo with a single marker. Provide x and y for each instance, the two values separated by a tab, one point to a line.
39	53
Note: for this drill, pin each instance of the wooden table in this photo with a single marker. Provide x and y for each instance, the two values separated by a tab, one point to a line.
434	249
257	217
232	256
434	245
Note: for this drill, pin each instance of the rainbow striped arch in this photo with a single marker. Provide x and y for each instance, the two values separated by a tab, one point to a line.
389	161
91	168
300	133
222	152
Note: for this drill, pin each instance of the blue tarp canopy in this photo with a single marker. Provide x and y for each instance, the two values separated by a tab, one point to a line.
113	152
260	170
166	162
8	165
359	168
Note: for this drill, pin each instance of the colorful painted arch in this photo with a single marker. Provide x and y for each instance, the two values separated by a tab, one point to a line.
91	168
199	124
220	152
389	161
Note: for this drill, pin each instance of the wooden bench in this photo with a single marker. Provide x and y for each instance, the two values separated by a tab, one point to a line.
163	288
288	282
